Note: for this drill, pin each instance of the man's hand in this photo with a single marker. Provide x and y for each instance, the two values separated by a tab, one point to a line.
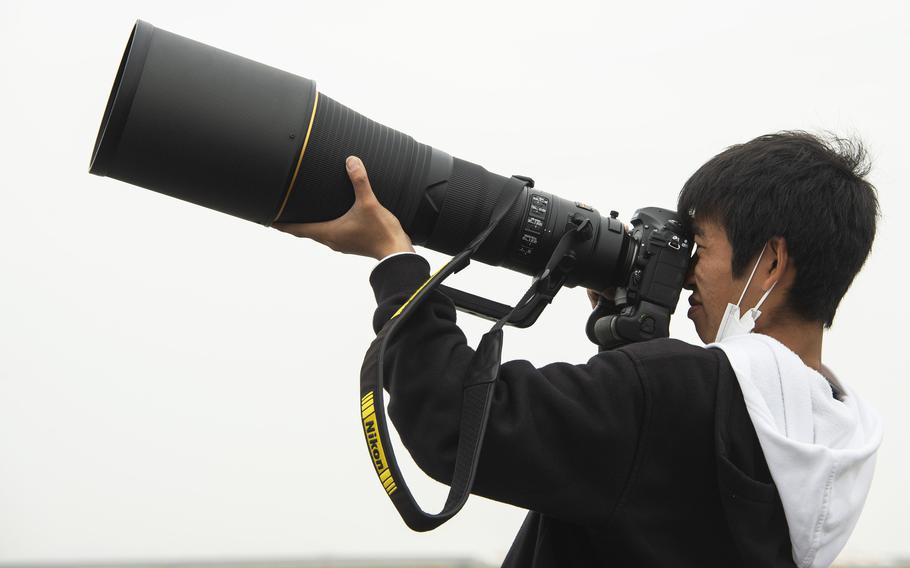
367	229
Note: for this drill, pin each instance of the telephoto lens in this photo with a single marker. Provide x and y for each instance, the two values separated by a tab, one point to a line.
206	126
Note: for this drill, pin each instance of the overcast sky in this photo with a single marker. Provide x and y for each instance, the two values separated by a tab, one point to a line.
178	383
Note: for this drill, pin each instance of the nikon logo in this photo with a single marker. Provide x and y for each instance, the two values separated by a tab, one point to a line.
374	443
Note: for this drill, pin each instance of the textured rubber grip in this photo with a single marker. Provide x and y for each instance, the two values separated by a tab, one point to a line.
396	165
472	192
400	174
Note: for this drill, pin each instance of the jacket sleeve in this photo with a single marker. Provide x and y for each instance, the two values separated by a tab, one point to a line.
561	439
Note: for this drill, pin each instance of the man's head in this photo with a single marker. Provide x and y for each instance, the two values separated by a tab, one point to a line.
801	199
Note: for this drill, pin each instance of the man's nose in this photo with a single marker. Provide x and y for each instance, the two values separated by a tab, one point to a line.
689	282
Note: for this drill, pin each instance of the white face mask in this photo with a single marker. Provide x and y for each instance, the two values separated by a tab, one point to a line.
731	324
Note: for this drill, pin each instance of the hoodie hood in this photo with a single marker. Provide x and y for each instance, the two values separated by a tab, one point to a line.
820	449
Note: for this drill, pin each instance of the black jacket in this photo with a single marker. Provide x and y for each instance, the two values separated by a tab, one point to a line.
643	456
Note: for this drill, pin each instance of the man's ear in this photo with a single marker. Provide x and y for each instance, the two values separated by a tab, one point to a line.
780	261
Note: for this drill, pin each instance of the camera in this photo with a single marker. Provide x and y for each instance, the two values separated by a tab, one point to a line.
206	126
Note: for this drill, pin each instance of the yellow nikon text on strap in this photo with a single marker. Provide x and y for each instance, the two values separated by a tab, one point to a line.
374	444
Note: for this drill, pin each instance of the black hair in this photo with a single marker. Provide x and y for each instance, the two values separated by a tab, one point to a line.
808	189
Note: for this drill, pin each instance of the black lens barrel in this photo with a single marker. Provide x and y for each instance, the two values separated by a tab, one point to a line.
222	131
203	125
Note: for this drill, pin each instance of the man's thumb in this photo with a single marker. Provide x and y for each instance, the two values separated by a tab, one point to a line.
358	174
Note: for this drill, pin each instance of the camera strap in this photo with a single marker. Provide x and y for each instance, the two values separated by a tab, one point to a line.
478	385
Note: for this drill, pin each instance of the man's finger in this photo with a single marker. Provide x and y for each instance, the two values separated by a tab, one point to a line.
358	174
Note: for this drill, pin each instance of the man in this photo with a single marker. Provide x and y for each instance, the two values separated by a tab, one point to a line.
747	453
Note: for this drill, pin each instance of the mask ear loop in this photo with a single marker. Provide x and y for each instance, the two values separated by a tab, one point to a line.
754	268
763	298
756	311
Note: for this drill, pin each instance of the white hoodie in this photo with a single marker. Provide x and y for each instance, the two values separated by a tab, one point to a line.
820	450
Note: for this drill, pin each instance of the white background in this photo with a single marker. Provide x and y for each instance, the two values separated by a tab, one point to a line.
178	383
